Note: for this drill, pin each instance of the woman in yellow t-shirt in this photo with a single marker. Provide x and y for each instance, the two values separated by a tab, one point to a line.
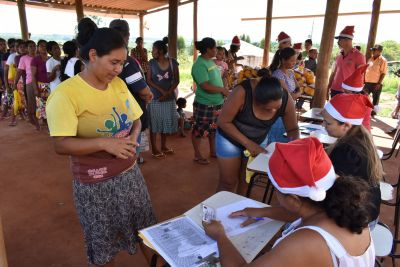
93	118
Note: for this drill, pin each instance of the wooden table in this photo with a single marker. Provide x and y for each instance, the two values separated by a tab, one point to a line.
249	243
313	114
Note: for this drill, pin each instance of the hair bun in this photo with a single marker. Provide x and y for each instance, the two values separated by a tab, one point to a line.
86	29
165	40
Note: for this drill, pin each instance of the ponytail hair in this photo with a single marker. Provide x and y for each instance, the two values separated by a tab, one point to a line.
203	45
103	40
162	45
69	49
349	203
281	54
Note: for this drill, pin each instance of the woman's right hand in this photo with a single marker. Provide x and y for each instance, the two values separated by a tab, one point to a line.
250	213
119	147
255	149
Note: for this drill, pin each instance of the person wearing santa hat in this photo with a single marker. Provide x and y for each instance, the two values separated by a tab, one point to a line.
354	152
328	213
348	60
354	85
232	57
284	41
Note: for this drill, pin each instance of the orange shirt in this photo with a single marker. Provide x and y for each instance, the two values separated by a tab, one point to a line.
376	67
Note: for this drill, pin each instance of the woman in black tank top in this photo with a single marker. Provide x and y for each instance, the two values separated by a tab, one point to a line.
244	123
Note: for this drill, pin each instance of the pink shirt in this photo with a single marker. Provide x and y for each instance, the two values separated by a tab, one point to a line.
25	64
345	66
222	66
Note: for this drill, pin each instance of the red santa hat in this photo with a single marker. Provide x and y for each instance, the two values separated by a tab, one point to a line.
283	37
350	108
347	32
235	41
301	168
355	82
297	47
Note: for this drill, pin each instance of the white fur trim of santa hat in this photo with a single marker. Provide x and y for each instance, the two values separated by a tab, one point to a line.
334	113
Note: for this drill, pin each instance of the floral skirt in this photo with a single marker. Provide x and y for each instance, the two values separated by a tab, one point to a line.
111	213
43	93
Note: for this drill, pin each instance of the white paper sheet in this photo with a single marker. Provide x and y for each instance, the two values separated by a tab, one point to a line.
232	225
181	242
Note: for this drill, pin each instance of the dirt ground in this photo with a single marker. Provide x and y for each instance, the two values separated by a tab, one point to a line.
40	224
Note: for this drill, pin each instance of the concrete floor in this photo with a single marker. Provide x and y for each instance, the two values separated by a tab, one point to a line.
40	224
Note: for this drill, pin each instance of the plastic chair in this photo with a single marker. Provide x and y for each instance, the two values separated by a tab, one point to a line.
383	242
395	142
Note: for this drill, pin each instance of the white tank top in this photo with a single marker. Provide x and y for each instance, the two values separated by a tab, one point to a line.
340	257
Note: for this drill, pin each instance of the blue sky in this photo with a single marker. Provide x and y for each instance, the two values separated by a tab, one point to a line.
221	19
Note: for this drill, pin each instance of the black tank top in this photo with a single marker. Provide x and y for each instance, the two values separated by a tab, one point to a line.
248	124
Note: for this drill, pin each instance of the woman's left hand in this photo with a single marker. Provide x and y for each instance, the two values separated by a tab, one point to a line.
214	229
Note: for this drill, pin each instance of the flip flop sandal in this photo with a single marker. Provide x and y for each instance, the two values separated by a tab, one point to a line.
169	151
14	123
202	161
159	156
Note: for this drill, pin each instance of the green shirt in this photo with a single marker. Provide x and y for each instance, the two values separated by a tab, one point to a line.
204	70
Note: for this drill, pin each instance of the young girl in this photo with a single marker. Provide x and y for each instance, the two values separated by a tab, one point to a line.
332	213
222	65
53	64
354	153
181	103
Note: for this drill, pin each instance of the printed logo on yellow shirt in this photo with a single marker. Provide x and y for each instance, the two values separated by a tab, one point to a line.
119	125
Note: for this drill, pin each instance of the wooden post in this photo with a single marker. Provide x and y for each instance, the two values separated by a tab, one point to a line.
328	35
194	29
267	38
79	10
373	28
3	256
22	19
141	25
173	28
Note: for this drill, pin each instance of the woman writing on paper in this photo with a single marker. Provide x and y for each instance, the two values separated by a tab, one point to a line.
333	213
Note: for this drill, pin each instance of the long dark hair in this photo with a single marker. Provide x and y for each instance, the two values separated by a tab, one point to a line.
281	54
203	45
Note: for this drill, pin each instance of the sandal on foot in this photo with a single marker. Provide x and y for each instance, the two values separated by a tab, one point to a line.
159	155
168	151
201	161
13	123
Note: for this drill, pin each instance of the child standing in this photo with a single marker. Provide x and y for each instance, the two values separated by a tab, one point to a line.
222	65
181	103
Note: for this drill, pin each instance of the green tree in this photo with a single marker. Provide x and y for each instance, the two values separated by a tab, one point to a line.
181	43
391	50
220	43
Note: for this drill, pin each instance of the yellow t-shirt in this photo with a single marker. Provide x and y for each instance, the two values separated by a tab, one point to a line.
75	108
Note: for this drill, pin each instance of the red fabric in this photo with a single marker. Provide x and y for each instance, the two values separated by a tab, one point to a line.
345	66
299	163
282	36
236	40
352	106
357	78
367	119
348	30
297	46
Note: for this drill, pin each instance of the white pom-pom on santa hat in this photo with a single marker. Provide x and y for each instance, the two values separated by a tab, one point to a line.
317	194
